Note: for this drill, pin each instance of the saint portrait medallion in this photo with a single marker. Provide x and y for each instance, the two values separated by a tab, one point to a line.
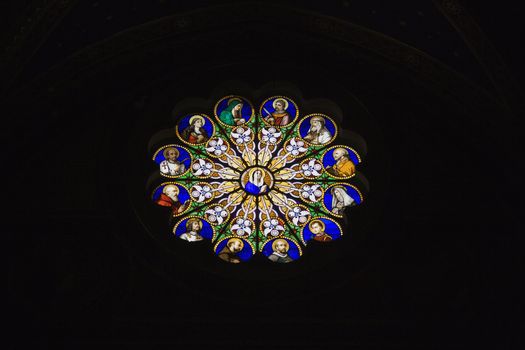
257	180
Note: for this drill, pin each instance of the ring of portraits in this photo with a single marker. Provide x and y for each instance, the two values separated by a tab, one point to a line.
269	182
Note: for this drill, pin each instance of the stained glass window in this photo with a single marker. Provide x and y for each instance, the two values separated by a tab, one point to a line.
266	181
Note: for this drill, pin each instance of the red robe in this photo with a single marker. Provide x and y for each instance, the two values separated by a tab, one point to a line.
278	118
322	238
192	139
166	201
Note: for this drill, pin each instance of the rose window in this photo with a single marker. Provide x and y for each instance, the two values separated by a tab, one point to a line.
265	181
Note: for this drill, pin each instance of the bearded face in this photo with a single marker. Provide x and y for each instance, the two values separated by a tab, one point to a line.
279	106
338	153
195	226
172	194
235	246
281	247
316	126
172	155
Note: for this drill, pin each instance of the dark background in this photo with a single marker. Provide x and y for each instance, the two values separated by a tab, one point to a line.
431	259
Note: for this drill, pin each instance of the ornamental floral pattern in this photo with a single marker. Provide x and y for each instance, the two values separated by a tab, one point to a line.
266	181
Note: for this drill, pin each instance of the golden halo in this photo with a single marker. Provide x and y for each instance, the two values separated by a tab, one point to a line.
196	116
233	239
323	226
274	243
193	219
280	99
319	118
235	99
167	149
337	186
251	171
177	190
266	176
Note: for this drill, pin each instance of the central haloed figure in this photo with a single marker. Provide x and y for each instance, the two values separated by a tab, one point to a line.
257	180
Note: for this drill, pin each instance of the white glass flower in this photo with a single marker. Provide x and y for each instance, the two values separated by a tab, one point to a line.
242	227
311	168
201	167
217	147
242	135
216	214
201	193
295	147
311	192
270	135
298	215
272	227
